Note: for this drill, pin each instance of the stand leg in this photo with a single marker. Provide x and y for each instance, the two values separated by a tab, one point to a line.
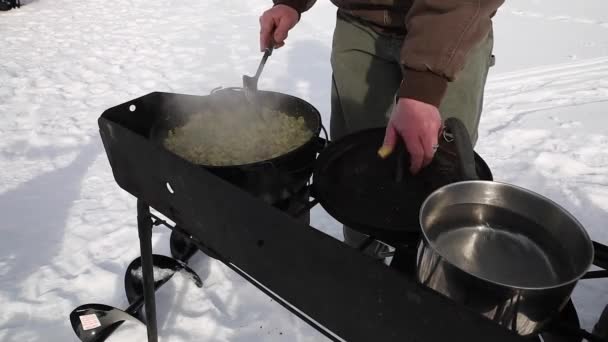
404	259
144	226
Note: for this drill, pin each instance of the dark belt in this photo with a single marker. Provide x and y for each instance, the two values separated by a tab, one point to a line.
355	16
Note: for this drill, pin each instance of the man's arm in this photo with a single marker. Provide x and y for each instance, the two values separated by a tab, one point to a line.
440	34
299	5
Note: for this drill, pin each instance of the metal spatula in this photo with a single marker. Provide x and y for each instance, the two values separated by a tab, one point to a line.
250	84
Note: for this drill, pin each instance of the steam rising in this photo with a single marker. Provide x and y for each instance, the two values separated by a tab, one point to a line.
227	131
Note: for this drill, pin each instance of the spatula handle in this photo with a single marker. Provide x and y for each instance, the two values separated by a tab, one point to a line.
267	53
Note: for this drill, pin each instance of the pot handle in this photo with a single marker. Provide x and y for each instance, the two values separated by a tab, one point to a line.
321	142
464	148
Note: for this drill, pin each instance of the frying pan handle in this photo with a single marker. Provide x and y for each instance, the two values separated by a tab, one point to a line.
464	148
403	160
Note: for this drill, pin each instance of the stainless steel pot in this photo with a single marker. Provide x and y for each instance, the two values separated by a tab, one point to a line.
503	251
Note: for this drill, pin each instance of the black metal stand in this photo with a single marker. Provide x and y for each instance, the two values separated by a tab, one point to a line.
144	226
359	300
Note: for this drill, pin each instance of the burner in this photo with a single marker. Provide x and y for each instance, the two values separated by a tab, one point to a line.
297	205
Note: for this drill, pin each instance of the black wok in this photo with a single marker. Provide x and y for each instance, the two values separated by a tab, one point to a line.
272	180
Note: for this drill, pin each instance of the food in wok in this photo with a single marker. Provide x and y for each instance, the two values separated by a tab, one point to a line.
223	138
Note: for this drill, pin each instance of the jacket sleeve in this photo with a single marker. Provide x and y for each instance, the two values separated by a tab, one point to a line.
299	5
440	34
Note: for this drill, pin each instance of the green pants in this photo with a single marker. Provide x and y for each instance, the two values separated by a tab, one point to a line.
366	78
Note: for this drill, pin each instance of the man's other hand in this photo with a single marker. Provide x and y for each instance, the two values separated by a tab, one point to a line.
418	124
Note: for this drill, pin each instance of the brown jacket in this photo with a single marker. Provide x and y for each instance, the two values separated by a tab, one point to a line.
438	36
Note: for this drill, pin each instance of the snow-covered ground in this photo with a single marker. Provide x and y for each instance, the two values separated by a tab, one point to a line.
69	232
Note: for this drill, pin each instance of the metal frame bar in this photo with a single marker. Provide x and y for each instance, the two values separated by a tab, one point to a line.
158	221
147	221
144	227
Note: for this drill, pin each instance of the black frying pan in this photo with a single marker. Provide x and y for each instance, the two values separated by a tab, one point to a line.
365	193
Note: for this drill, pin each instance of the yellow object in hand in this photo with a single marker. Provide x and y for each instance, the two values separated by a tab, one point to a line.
385	151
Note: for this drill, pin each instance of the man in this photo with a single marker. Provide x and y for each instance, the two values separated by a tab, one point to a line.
403	64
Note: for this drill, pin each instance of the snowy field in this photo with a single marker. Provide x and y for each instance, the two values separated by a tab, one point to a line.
69	232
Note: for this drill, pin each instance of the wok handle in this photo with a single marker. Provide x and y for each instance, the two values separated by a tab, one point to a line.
464	148
321	142
324	130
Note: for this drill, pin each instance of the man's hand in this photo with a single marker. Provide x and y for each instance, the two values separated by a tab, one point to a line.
274	25
418	124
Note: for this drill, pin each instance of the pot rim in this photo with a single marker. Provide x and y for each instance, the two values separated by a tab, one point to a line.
586	236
